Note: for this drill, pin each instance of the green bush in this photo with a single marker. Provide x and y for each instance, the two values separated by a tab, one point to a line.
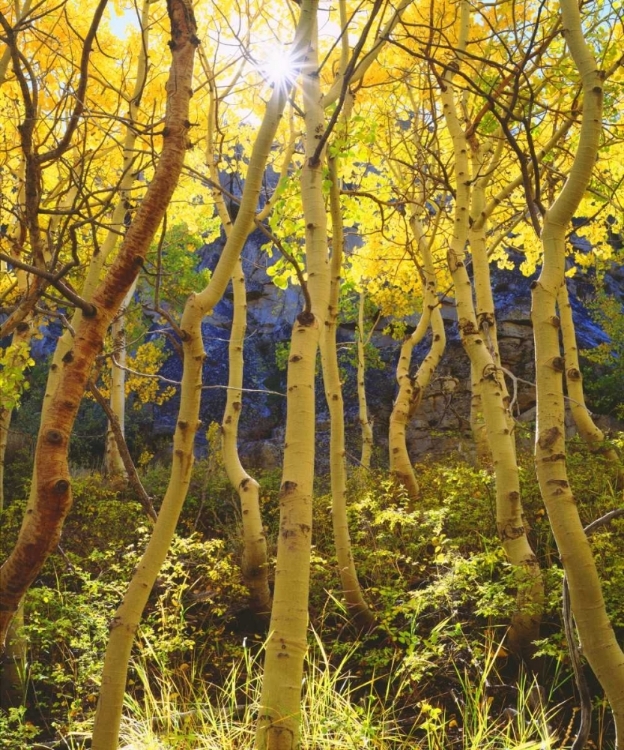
435	576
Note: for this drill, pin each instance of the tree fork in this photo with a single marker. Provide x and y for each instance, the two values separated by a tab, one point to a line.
509	515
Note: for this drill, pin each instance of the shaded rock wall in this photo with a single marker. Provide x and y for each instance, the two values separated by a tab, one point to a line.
441	424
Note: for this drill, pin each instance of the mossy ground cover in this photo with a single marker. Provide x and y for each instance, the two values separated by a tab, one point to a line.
435	673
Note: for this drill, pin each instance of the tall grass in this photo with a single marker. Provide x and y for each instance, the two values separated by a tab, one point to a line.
183	712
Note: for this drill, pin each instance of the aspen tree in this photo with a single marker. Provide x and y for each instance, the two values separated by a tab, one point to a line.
42	525
485	158
22	335
412	388
357	608
113	463
598	641
128	615
279	717
16	646
254	564
279	712
509	515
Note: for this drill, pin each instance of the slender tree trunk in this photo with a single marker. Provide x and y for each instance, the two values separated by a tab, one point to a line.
128	615
412	388
357	608
509	514
42	525
365	423
598	641
279	717
113	462
588	430
483	162
405	404
130	469
254	563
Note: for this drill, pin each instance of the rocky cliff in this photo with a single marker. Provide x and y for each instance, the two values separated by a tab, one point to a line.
441	423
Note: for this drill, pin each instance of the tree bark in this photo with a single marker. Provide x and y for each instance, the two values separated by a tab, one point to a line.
357	609
412	388
254	563
280	701
128	615
509	514
596	635
43	522
113	462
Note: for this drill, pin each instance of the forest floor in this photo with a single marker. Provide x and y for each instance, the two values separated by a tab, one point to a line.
435	673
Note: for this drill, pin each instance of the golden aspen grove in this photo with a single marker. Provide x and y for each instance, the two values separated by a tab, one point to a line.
311	344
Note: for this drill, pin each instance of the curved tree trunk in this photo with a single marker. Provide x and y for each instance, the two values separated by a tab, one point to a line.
42	525
509	515
128	615
406	402
412	388
254	563
587	428
598	641
357	608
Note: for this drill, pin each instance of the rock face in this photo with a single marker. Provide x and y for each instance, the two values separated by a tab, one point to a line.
440	425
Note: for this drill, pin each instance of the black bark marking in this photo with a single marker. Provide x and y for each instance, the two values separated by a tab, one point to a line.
305	319
549	437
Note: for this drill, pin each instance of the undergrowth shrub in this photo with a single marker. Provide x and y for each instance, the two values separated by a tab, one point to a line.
193	606
435	576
